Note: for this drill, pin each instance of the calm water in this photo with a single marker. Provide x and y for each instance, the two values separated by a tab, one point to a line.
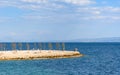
99	59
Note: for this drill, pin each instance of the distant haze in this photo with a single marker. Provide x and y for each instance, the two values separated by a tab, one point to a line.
113	39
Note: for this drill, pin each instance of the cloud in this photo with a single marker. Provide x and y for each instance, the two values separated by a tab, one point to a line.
35	1
76	2
108	9
38	4
30	4
103	13
80	2
83	10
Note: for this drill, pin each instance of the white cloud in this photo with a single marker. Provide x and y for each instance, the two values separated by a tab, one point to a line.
98	10
103	13
77	2
101	17
85	12
111	9
36	17
38	4
30	4
80	2
35	1
6	3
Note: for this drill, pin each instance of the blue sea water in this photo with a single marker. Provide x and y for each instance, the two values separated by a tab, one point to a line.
98	59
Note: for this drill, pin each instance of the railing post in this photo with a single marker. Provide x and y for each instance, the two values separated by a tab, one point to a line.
58	46
50	46
20	46
63	46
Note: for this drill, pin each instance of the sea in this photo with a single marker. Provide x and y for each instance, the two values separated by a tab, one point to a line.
98	59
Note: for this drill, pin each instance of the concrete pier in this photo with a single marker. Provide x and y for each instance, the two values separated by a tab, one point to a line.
37	54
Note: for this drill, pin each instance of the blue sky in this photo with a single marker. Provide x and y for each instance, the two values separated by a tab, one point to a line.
47	20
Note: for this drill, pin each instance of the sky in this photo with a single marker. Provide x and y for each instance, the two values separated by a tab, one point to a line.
57	20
